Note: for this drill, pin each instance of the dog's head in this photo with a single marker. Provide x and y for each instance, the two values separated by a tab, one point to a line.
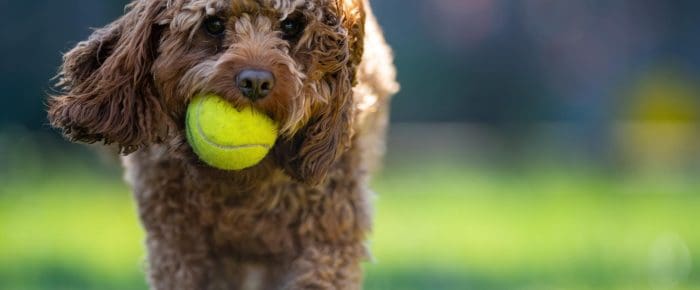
130	83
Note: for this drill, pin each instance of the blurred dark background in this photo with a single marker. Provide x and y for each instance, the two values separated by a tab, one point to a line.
548	145
485	61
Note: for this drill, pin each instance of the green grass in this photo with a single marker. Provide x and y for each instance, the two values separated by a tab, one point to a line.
438	226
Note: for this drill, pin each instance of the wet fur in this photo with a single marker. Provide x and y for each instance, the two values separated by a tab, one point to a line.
299	219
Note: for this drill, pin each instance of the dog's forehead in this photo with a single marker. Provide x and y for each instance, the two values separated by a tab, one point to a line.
269	4
280	7
283	7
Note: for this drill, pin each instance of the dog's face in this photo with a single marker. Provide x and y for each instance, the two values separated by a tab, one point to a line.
295	60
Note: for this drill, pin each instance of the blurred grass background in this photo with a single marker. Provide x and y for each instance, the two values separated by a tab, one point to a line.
445	219
534	145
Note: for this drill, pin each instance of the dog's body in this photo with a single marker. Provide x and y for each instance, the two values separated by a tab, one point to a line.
297	220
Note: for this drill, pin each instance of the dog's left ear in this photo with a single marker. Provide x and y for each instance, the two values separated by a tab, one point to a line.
328	134
107	83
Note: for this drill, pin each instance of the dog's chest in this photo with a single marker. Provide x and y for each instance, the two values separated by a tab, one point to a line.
261	223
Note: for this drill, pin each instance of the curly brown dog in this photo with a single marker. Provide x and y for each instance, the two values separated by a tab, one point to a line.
298	219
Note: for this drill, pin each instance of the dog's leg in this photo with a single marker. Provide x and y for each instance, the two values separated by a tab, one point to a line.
181	265
325	267
179	249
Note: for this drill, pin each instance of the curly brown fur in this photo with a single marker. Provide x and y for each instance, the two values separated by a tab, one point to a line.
297	220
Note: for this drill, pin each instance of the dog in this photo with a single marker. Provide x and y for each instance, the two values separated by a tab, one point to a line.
298	219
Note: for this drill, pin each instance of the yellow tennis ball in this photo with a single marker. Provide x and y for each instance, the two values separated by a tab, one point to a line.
226	138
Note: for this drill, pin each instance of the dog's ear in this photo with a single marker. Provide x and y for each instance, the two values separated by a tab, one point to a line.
328	134
313	151
108	92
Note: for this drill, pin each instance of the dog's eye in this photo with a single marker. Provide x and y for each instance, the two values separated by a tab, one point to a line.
292	28
215	26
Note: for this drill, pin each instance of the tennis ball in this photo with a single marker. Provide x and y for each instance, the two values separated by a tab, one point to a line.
226	138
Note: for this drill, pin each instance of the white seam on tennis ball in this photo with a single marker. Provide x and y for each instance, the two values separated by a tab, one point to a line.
210	142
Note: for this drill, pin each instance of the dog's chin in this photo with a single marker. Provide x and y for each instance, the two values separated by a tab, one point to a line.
251	175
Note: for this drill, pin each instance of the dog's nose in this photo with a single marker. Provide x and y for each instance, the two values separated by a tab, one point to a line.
255	84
